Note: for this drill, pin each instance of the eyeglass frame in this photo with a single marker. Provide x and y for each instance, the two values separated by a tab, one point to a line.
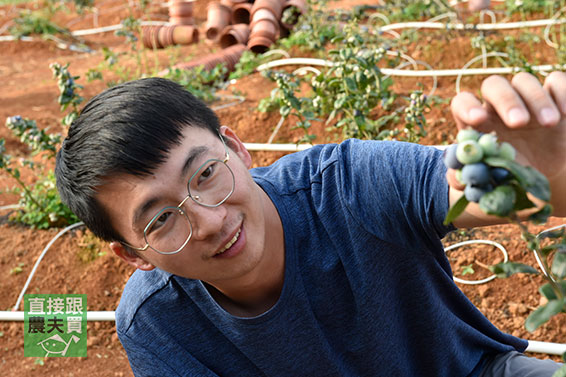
194	198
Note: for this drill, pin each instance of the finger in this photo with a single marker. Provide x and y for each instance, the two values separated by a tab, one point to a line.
453	181
538	100
498	93
467	110
555	84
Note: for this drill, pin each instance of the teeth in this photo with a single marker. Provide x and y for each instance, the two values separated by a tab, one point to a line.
230	243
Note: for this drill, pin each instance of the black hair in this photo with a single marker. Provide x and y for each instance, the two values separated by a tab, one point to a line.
127	129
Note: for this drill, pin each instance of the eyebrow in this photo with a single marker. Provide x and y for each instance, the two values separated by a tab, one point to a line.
193	154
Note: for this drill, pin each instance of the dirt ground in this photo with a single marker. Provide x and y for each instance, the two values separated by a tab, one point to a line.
28	89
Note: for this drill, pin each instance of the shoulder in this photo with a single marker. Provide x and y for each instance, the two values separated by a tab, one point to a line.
140	288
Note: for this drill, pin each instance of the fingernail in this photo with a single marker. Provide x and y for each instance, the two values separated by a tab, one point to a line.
548	116
475	114
517	116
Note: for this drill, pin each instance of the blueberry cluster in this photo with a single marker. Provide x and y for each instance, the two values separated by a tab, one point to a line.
467	157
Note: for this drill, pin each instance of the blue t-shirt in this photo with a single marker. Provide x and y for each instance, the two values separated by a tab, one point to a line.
368	289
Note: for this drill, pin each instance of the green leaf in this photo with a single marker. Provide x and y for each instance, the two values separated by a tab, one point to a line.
543	314
504	270
541	216
547	291
499	202
531	179
559	264
521	200
545	251
552	233
351	84
285	111
456	210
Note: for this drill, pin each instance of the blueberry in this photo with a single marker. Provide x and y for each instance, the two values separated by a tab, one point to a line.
500	175
474	193
469	152
507	151
476	174
488	143
450	159
468	134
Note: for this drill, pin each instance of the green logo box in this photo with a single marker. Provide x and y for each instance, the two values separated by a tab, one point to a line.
55	325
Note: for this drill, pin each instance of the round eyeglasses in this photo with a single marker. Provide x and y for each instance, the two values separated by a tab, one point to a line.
169	231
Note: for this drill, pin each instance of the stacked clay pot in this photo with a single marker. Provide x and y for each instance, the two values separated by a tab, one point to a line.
181	12
163	36
218	17
228	56
264	24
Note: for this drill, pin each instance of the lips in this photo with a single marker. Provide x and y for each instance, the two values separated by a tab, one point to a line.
230	243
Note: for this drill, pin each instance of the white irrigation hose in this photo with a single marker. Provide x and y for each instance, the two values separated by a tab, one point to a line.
547	30
20	297
10	206
540	264
434	78
485	242
476	27
413	73
90	316
546	347
475	59
276	130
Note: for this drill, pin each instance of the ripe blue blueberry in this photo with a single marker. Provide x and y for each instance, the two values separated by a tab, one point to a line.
500	175
488	143
476	174
450	159
469	152
468	134
474	193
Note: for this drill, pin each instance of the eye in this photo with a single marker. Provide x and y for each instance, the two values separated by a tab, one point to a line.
207	173
159	222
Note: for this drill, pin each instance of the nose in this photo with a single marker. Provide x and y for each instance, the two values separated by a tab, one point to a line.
206	221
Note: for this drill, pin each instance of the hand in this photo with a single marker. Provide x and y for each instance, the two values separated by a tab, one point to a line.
530	116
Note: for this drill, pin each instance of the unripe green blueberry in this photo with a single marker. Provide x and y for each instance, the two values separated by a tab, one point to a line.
507	151
488	143
468	134
469	152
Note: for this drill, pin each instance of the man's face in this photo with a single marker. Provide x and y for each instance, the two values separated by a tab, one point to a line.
240	222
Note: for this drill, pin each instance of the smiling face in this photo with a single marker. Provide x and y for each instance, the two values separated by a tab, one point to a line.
229	243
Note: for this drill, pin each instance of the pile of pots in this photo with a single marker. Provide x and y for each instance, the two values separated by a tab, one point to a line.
257	23
236	25
180	30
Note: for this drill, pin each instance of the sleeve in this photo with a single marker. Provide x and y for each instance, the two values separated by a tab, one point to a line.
397	190
146	362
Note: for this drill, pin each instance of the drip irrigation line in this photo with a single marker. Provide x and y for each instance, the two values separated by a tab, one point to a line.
415	73
484	57
471	27
485	242
10	206
20	297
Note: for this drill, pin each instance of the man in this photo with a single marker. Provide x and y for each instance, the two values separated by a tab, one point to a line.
327	263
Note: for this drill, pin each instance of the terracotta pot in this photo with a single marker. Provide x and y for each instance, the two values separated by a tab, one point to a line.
274	6
165	35
185	34
150	36
228	3
264	21
265	28
299	7
259	44
241	13
181	20
234	34
218	17
228	56
181	8
476	5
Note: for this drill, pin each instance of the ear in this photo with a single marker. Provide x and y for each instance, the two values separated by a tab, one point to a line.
132	260
236	145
